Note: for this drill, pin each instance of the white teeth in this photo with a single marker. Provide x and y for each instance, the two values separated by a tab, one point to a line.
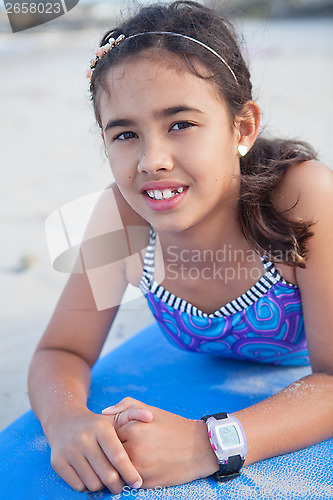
158	195
166	194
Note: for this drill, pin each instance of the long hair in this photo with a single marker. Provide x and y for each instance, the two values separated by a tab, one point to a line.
269	231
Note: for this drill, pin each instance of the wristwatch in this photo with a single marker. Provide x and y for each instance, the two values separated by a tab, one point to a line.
228	440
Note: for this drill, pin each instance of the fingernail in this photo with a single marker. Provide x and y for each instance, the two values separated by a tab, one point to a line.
137	484
108	409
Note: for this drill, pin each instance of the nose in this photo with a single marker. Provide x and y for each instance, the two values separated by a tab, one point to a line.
154	157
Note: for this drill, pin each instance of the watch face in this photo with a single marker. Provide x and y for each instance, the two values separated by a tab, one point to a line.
228	436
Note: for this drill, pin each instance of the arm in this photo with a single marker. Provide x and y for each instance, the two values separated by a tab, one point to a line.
85	450
304	409
299	415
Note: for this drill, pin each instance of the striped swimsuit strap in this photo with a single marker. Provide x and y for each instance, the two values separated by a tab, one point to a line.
260	288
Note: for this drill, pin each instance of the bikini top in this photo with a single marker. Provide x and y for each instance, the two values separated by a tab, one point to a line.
264	324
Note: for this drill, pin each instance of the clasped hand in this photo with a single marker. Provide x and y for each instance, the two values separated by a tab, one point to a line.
131	443
165	449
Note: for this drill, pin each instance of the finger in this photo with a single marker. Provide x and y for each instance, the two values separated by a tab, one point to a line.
133	413
112	410
71	477
117	456
123	433
96	471
87	475
107	474
123	405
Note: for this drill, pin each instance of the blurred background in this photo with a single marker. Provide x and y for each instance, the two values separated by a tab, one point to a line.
51	152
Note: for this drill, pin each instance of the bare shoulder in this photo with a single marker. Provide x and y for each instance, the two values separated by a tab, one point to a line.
112	199
129	216
110	257
136	232
114	220
306	190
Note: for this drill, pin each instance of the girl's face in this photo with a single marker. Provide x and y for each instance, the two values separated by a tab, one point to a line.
171	143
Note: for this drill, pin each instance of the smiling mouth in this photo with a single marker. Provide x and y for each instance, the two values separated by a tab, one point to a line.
165	194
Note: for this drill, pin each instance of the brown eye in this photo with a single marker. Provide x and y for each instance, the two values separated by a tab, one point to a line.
124	136
182	125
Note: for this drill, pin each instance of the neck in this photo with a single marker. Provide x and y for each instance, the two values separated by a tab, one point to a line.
224	231
220	229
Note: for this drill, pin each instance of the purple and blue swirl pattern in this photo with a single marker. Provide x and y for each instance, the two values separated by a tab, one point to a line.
271	330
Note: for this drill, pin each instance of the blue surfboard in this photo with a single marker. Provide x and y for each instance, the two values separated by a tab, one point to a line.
148	368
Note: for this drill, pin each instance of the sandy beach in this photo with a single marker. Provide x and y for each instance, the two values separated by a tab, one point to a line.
51	154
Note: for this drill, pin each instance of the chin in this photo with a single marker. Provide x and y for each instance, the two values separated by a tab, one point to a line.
174	225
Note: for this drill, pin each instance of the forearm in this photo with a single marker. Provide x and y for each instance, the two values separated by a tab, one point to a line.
85	449
58	386
297	417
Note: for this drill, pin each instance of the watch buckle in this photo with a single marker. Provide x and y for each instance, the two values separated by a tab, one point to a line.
227	477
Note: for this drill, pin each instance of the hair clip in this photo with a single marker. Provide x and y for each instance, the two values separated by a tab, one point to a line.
101	51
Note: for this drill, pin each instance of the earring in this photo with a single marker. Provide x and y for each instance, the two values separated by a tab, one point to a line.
242	150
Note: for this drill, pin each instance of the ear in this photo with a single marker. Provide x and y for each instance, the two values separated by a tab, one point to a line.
248	126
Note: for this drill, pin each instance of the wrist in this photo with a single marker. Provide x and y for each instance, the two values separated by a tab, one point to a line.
228	440
62	417
206	462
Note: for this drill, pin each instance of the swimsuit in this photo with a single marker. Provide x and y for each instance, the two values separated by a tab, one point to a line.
264	324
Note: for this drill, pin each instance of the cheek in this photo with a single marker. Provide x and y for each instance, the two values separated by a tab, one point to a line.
122	176
125	182
118	167
122	162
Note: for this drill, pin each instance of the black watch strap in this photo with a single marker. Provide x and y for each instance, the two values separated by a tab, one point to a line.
217	416
231	469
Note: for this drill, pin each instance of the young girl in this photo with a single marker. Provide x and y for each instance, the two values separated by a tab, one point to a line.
244	227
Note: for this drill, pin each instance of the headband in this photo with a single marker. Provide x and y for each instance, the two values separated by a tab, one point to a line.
115	42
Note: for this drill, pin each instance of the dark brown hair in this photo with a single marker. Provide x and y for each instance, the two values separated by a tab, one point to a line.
268	230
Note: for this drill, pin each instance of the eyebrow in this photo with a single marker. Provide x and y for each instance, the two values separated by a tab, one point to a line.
124	122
